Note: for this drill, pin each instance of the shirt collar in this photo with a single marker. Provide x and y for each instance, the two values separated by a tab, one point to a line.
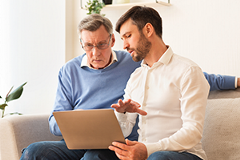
86	64
165	58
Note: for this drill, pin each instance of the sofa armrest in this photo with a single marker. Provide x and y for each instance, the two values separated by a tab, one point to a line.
17	132
221	130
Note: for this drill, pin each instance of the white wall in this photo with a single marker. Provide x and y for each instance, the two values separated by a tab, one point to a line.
208	32
32	45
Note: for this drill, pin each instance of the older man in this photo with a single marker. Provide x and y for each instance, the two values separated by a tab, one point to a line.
93	80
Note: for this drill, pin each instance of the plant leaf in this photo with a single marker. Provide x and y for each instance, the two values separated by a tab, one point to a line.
94	6
15	94
9	91
15	113
2	106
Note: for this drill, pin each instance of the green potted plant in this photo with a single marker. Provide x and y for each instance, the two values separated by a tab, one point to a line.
94	7
11	96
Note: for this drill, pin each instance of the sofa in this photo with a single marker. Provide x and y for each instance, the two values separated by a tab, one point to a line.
18	131
221	135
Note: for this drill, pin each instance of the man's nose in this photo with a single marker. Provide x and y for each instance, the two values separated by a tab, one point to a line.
95	51
125	44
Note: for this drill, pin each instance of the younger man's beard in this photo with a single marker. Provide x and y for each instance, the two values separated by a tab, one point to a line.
143	48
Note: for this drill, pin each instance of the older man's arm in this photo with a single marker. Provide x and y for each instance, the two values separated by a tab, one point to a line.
222	82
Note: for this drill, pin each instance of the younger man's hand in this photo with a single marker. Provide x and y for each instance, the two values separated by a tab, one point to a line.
128	106
132	150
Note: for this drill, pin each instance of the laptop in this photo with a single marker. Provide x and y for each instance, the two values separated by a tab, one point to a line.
89	129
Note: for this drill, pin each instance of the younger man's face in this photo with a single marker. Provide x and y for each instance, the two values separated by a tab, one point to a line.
134	41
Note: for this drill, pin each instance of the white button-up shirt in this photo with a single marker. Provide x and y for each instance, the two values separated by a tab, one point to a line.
174	93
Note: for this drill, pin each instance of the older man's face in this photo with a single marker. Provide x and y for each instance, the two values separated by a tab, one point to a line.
98	58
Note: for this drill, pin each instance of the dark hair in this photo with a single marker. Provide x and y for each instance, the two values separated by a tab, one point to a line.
93	22
140	16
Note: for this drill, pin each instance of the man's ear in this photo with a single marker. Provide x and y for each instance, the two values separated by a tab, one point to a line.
148	29
80	40
113	40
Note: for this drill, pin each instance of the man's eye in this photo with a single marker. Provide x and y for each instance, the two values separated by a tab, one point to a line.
89	45
102	44
128	35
